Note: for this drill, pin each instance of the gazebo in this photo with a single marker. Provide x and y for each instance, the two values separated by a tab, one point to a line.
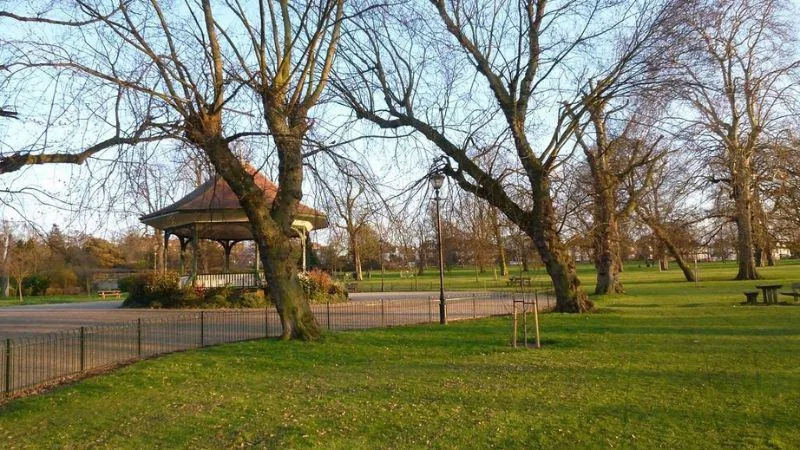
212	212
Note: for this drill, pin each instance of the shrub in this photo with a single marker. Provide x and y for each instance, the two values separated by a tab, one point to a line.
35	284
124	284
321	288
249	299
157	290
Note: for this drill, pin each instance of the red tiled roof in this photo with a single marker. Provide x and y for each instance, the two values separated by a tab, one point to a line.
216	194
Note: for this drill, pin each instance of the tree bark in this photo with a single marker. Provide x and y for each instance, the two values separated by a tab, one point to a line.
605	233
560	266
662	235
502	263
743	200
356	256
5	281
271	226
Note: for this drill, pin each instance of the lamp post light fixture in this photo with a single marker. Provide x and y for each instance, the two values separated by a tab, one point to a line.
437	180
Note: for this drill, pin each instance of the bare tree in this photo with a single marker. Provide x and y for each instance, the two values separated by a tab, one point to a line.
178	73
739	64
469	75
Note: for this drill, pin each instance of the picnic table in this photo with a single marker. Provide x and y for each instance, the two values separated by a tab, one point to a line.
519	281
770	292
112	293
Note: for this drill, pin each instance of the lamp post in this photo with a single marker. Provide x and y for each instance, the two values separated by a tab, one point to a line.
437	179
380	242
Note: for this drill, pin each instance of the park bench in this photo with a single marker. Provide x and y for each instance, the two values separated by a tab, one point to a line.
752	297
519	281
795	292
351	287
113	293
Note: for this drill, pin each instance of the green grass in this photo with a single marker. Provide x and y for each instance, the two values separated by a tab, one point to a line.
666	365
52	299
467	278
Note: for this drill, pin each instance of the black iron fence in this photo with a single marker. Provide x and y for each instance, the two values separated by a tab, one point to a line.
35	361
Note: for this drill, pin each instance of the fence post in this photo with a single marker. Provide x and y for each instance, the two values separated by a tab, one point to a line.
430	311
139	337
383	314
473	306
328	313
536	318
7	376
202	329
83	349
514	335
266	321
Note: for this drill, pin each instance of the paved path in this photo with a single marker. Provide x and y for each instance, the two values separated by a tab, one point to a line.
23	321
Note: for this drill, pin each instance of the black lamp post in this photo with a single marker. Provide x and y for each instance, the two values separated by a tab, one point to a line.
380	243
437	180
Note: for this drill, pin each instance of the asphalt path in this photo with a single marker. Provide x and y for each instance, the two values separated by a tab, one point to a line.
25	321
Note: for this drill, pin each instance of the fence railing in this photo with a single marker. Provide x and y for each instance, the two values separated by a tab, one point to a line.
31	362
216	280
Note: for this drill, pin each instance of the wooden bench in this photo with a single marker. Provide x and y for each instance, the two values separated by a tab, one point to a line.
795	292
752	297
114	293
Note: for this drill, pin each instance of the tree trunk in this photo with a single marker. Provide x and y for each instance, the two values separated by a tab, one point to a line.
605	233
758	256
770	256
541	227
664	238
502	263
5	281
744	224
356	254
271	226
19	288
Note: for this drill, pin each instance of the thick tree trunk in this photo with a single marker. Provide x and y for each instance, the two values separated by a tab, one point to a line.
605	234
743	200
541	227
271	226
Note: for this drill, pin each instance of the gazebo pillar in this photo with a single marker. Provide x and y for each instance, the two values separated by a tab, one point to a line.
184	244
302	234
164	252
194	254
227	246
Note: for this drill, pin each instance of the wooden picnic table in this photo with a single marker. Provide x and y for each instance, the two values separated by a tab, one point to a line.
770	292
521	281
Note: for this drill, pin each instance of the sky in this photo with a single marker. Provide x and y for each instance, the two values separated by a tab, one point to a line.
88	198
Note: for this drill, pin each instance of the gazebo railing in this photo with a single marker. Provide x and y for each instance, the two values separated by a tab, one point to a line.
214	280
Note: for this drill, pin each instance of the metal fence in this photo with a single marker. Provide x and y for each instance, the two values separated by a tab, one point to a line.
31	362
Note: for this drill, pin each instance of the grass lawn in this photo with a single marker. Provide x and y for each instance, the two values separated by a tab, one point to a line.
467	278
52	299
668	365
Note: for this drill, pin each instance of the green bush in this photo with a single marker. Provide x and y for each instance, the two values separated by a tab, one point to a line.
157	290
321	288
124	284
35	284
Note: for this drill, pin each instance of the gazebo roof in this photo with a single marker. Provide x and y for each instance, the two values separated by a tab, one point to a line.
215	211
